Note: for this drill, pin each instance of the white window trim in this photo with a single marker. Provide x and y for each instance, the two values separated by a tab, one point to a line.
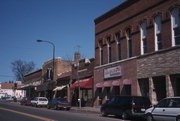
117	51
156	32
108	51
127	38
100	48
142	37
172	27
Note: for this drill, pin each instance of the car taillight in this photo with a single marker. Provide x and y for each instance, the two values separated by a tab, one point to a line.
63	104
134	108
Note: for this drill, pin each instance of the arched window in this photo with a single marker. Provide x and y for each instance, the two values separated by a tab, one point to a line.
129	42
175	26
157	31
118	39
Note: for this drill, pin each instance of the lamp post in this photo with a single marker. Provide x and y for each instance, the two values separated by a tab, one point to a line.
53	53
79	89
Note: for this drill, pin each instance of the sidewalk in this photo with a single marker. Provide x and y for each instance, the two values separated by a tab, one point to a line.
78	109
86	109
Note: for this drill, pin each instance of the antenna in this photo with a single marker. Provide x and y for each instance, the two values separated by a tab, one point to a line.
78	48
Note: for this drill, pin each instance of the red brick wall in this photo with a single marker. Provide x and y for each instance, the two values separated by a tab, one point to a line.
132	16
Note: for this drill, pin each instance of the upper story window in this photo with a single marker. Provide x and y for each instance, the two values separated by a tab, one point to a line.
49	74
143	38
175	26
109	50
158	30
118	38
129	42
101	52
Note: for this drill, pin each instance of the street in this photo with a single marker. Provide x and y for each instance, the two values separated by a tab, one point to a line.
16	112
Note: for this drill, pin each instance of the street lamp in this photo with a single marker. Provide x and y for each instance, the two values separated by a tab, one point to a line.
79	89
53	53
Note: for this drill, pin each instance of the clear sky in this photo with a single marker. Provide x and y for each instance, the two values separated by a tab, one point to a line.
66	23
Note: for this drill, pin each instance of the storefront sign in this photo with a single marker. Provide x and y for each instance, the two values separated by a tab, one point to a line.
112	72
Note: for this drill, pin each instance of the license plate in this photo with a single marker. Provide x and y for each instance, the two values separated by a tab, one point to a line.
143	109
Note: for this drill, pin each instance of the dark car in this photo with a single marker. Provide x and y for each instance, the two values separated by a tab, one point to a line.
25	101
126	106
59	103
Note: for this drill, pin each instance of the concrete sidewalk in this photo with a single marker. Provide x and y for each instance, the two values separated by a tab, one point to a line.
78	109
86	109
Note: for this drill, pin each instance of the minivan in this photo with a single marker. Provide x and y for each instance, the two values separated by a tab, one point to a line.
126	106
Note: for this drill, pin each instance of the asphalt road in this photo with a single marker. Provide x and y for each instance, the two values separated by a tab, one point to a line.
16	112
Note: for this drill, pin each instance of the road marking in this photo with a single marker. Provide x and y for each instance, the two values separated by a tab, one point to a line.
26	114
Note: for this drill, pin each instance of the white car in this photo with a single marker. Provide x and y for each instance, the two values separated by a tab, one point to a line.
167	109
39	101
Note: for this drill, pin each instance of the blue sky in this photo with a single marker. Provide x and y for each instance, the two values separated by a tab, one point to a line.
66	23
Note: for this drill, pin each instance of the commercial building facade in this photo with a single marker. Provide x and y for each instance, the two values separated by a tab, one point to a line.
82	82
137	48
9	90
31	82
49	79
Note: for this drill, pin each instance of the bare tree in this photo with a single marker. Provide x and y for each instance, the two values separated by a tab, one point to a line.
21	68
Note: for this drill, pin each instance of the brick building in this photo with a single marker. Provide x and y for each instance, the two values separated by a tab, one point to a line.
49	83
31	83
137	50
82	82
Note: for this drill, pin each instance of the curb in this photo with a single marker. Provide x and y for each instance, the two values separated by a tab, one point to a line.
85	110
15	102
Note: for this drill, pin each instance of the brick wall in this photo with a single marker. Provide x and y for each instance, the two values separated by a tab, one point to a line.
130	17
165	62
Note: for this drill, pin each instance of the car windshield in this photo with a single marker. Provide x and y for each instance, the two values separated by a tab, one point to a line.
62	100
142	101
42	99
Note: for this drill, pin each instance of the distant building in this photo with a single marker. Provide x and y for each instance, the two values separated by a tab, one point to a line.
31	83
137	50
8	90
82	79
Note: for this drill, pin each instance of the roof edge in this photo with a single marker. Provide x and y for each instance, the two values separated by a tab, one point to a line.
115	10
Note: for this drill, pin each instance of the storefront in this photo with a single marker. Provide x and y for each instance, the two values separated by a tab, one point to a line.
85	94
159	74
82	82
115	79
62	87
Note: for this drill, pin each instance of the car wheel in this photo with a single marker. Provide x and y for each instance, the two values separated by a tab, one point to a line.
48	107
103	112
57	108
36	105
124	115
149	118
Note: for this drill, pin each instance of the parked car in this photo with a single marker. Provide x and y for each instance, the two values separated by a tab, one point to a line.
126	106
59	103
39	101
167	109
25	101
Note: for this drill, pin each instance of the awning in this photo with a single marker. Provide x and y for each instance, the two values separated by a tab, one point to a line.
99	85
127	82
116	83
107	84
59	88
84	83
